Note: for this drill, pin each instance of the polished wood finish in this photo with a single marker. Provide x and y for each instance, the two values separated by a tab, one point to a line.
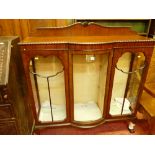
83	30
24	27
150	89
151	72
64	42
6	27
5	112
8	128
28	26
148	102
10	27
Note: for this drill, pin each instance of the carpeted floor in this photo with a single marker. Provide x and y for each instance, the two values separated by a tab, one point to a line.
114	128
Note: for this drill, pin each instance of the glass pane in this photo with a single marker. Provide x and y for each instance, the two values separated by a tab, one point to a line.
135	79
47	79
127	79
89	79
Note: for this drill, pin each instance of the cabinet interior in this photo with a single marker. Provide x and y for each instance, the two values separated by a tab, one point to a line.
89	81
126	83
47	78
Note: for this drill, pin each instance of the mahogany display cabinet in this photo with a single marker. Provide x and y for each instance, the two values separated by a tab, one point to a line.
84	74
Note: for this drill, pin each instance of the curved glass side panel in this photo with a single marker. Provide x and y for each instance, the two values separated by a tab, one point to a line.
89	80
126	83
48	85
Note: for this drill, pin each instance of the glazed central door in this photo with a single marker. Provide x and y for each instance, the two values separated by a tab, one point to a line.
89	85
48	81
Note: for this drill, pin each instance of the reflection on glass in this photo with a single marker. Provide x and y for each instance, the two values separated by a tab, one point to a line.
47	79
89	80
127	79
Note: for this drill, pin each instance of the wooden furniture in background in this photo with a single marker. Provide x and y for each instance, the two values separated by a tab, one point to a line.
147	100
14	115
24	27
151	72
89	41
10	27
28	26
147	103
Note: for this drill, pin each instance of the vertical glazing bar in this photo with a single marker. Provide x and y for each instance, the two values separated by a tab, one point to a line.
50	98
128	81
36	83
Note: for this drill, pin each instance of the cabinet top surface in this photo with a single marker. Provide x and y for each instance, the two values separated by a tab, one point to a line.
78	33
84	39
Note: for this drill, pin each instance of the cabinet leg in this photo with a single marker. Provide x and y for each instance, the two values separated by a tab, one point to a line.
150	122
131	127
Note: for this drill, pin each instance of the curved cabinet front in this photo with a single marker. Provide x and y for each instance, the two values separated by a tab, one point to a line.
84	85
89	78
